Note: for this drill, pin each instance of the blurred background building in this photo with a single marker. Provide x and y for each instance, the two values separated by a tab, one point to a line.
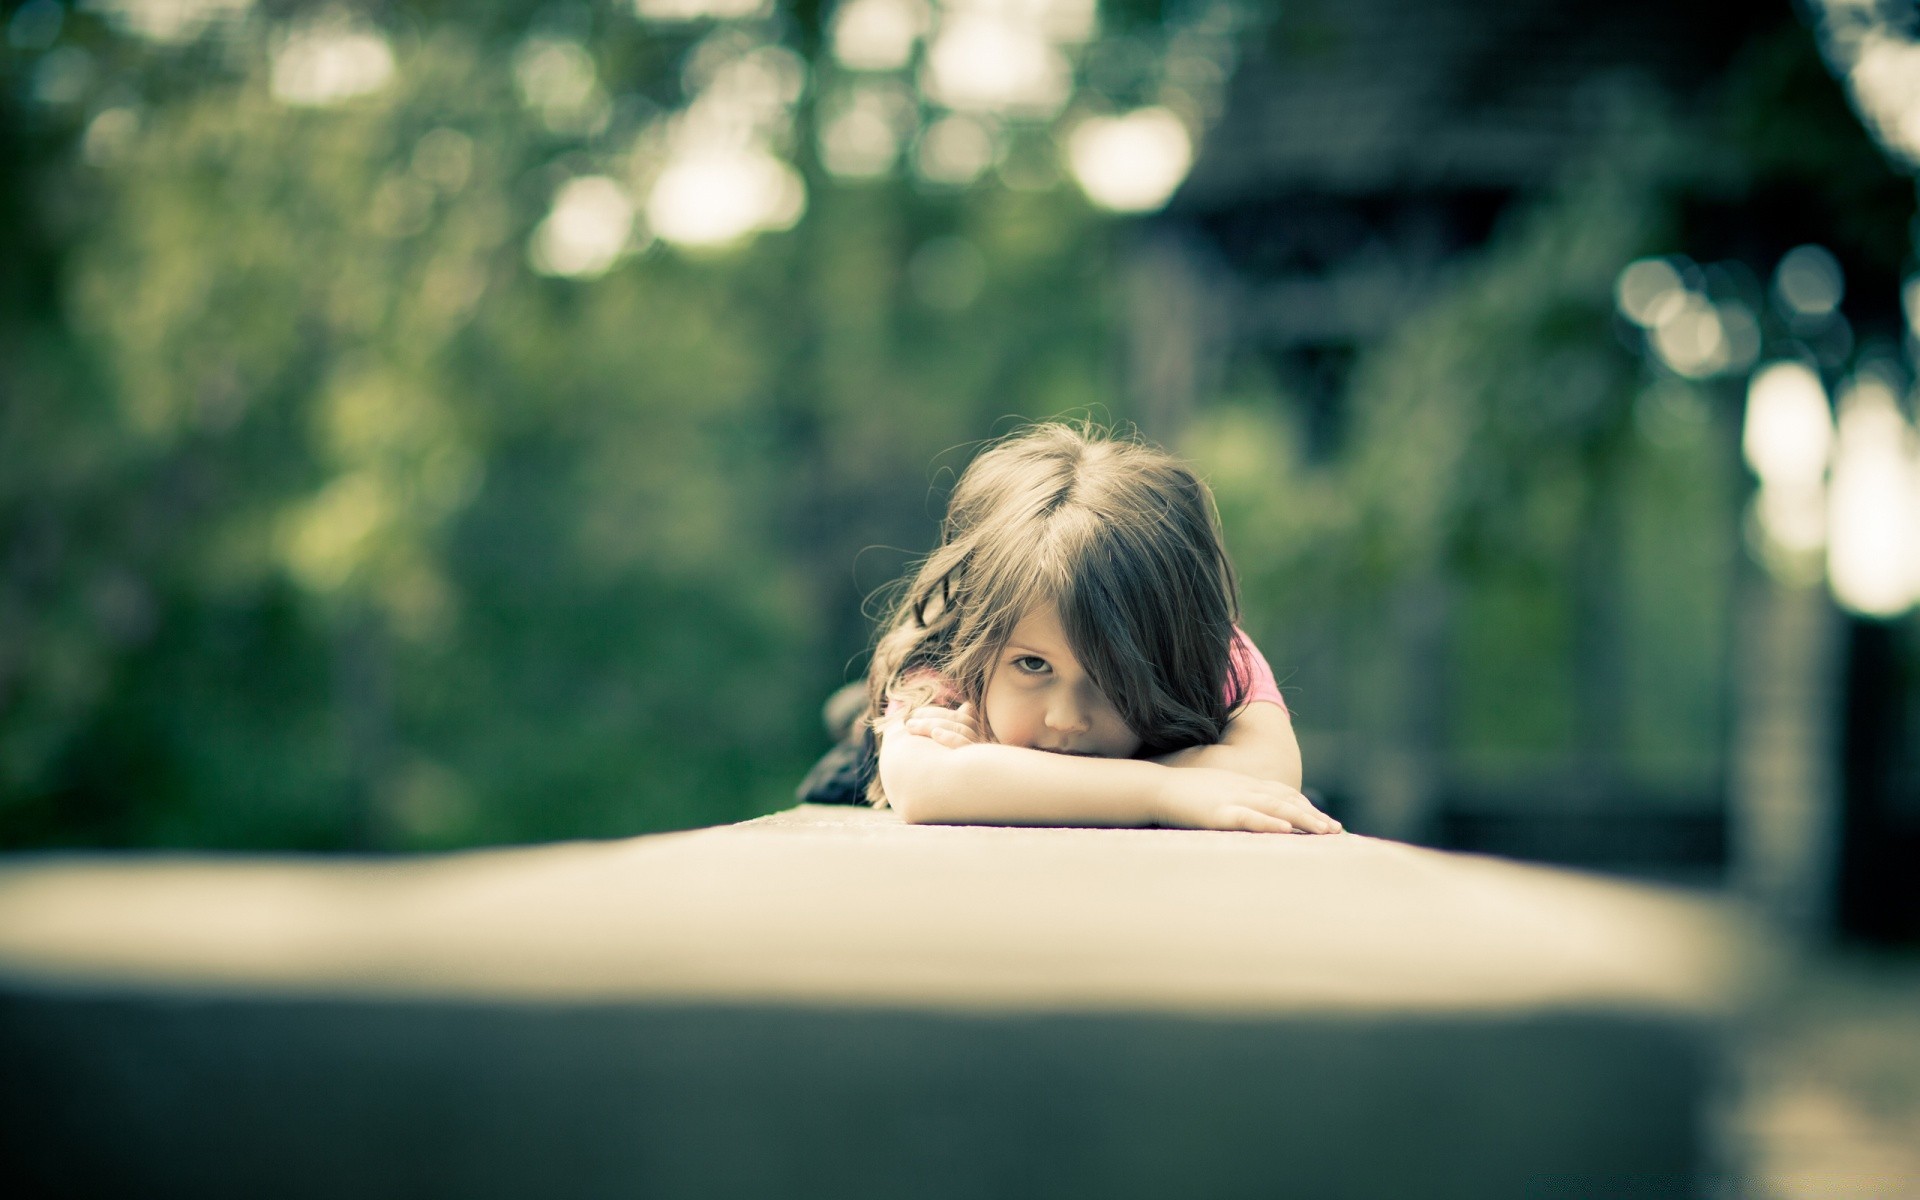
427	426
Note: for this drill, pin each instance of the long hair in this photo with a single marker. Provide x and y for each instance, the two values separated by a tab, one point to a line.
1122	537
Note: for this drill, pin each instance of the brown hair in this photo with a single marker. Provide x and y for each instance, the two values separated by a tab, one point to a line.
1118	534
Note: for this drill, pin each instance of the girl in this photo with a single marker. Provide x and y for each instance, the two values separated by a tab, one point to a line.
1068	656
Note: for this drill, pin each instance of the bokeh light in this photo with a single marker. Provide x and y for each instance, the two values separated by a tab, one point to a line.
878	35
169	21
1883	73
956	150
700	10
556	78
1131	163
586	231
862	128
1690	331
1646	289
1789	427
994	61
716	197
1787	440
1872	527
1808	282
329	61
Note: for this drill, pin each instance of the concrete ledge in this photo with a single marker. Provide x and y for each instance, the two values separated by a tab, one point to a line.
828	1003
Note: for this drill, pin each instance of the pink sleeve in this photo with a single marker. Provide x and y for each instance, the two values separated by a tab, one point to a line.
943	694
1247	658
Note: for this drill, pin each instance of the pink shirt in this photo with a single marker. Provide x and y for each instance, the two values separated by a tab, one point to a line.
1261	685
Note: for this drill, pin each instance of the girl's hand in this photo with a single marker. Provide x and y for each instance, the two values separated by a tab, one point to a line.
951	727
1205	798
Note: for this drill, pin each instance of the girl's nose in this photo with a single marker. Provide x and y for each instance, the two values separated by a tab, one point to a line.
1067	715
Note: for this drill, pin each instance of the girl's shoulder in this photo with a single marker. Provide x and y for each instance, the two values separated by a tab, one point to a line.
1253	670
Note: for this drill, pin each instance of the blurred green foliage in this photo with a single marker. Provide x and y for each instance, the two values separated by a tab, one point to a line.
1567	512
1525	567
329	521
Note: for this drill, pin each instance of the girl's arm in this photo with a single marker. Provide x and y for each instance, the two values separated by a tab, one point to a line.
935	771
1259	741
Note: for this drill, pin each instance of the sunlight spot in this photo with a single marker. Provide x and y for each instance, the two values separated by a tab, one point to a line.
1066	20
1884	77
858	144
1871	524
878	35
1131	163
741	96
1808	283
718	196
1788	433
168	21
1645	290
63	76
1060	21
984	61
586	231
109	135
325	540
761	82
955	151
1794	520
1910	304
1691	339
700	10
861	134
1787	439
329	61
556	78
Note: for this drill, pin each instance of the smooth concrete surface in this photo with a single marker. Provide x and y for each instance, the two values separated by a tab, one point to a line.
828	1003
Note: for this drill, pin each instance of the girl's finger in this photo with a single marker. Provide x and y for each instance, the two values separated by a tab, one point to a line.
1317	823
1253	820
1306	817
947	732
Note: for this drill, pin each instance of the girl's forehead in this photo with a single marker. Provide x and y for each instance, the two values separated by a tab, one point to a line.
1041	627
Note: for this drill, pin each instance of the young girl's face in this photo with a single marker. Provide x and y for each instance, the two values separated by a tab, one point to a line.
1039	698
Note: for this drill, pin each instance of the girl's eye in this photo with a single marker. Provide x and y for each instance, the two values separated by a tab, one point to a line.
1030	664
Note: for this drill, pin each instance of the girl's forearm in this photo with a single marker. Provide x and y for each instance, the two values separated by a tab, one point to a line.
1259	742
1280	764
987	783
